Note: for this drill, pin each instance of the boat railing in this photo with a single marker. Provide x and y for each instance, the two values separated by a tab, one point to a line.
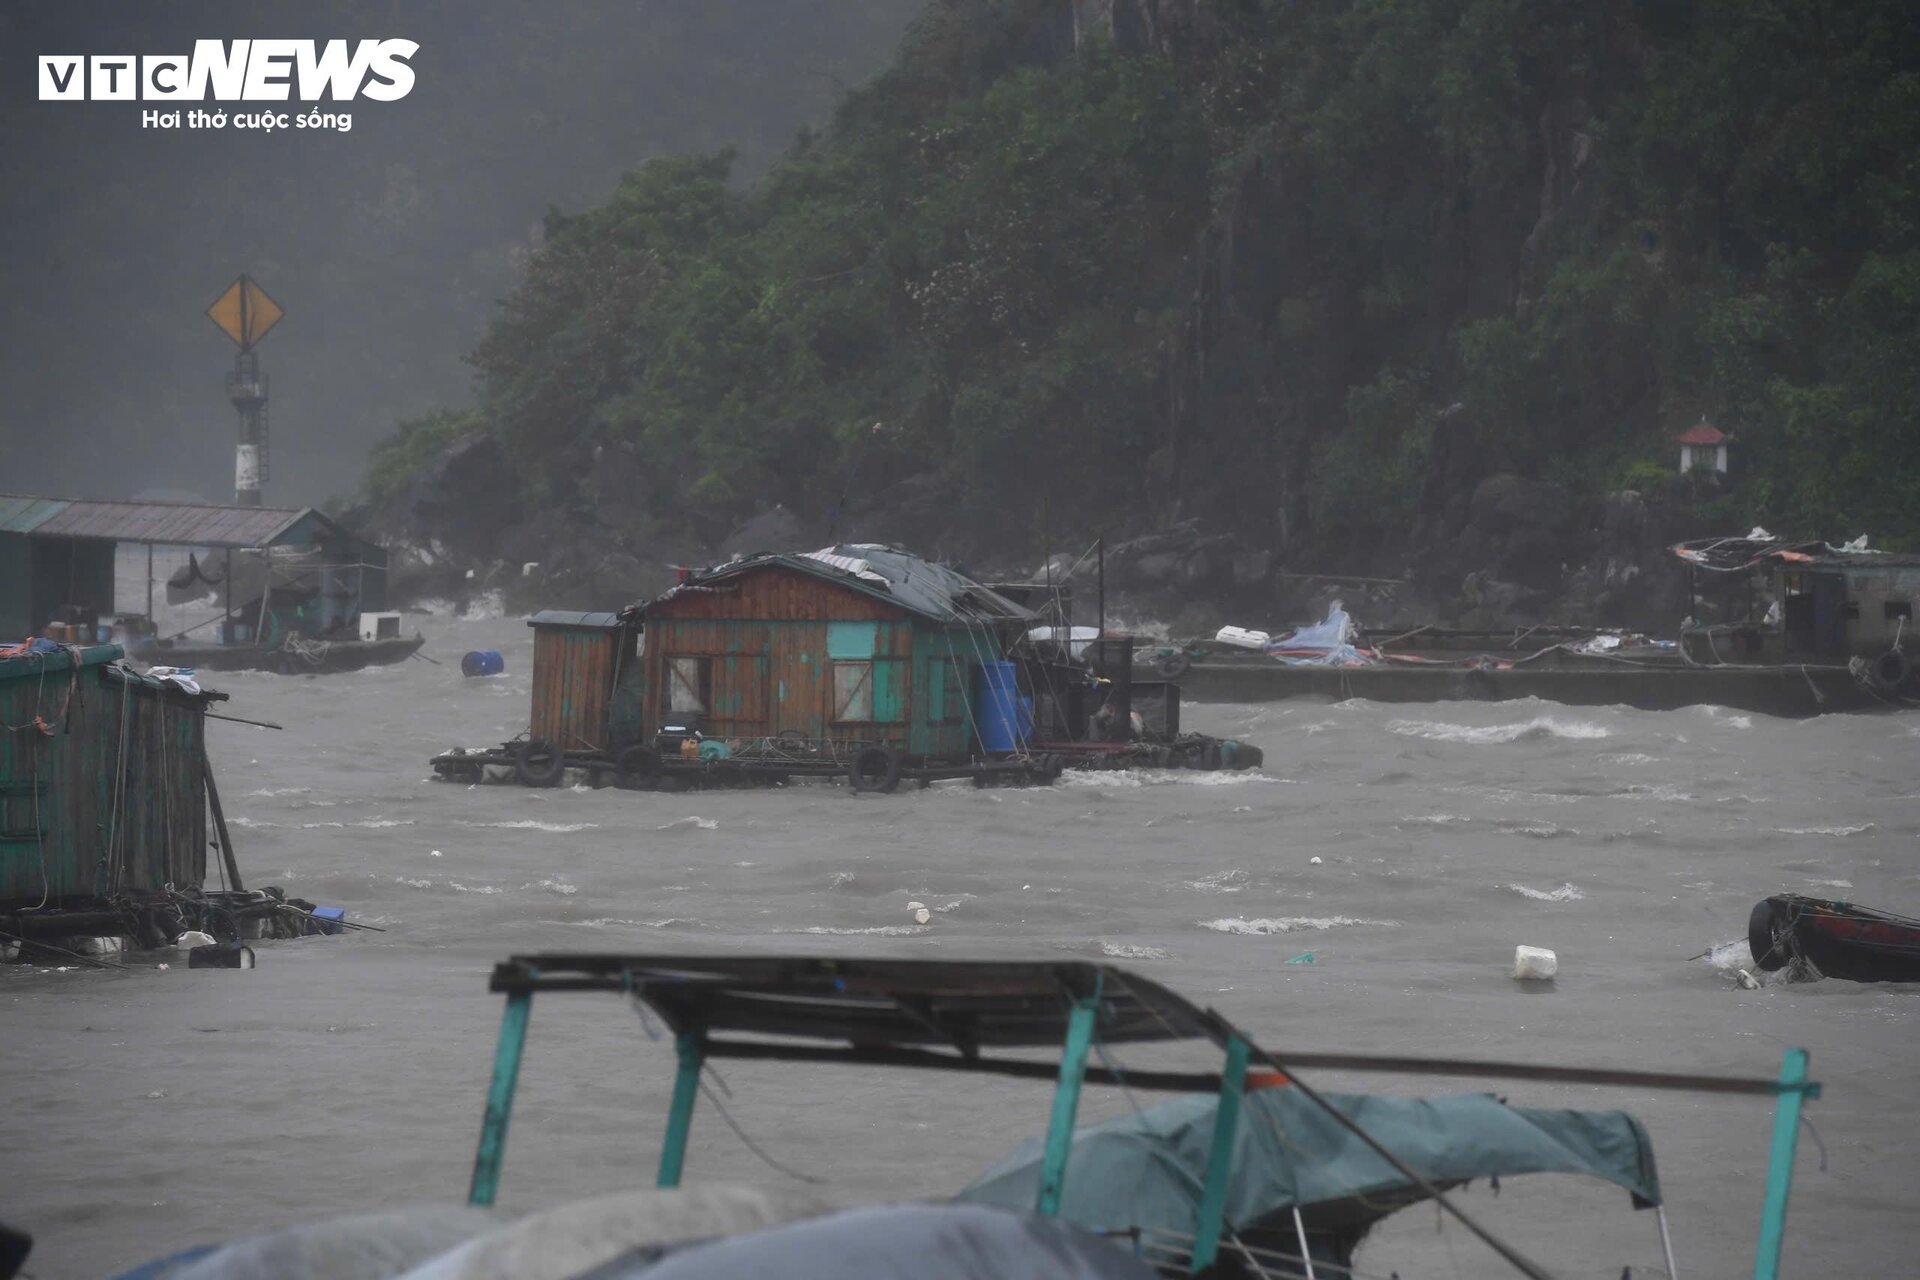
942	1015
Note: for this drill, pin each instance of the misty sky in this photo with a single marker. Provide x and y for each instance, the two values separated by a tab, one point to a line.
387	244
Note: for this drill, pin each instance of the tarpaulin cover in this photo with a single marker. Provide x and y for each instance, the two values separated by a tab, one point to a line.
1327	643
898	1242
580	1235
360	1247
1145	1169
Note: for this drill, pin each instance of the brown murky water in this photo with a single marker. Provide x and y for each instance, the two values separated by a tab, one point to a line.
147	1111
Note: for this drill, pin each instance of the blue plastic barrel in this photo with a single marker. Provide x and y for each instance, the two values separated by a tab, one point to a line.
327	919
1004	722
483	662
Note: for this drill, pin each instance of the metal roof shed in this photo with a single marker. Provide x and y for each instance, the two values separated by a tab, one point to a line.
59	551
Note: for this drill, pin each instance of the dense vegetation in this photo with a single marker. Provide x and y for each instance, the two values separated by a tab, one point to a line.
1308	269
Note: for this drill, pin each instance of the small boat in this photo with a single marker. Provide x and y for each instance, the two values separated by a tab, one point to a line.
293	656
1838	939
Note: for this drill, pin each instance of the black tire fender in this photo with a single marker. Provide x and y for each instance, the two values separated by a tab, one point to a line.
875	769
1762	938
1172	666
538	763
1890	672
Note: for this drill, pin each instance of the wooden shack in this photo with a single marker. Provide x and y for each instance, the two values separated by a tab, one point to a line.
859	643
102	785
587	680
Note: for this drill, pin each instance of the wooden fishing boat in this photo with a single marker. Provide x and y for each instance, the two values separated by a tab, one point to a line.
293	656
1838	939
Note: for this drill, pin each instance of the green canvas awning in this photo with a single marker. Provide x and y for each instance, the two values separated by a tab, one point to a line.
1145	1170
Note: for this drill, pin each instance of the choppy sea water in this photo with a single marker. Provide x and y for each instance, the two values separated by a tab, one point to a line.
149	1110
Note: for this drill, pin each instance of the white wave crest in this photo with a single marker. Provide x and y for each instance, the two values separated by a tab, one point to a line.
692	822
1289	924
878	930
1533	730
1730	955
382	823
533	824
1565	893
1108	779
1221	882
1133	951
1859	830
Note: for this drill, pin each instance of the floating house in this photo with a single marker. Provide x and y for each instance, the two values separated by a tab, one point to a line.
860	660
103	784
309	576
859	642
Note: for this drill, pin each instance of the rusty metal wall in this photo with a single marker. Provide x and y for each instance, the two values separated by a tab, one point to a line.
765	636
112	803
573	684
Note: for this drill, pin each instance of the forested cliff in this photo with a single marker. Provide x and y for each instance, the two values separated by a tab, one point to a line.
1364	285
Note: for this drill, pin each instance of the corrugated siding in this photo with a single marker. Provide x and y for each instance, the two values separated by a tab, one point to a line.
85	814
16	587
573	684
943	723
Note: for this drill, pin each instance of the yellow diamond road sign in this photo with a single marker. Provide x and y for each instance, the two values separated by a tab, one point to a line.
245	312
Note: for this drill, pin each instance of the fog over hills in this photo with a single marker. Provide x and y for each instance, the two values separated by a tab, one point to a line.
387	244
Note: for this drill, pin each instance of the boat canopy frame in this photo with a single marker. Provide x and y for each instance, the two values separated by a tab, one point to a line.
940	1014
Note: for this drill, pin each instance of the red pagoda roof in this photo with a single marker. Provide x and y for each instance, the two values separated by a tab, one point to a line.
1703	434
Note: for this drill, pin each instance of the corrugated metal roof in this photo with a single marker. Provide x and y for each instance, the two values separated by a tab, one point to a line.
175	523
20	514
931	590
568	618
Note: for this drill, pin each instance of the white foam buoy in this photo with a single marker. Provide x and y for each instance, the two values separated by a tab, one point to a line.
1314	861
922	916
1746	980
1534	964
193	938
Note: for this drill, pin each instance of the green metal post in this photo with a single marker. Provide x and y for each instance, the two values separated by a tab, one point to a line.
506	1076
1066	1105
691	1049
1795	1089
1213	1193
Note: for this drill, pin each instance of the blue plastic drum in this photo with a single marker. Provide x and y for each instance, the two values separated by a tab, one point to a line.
483	662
